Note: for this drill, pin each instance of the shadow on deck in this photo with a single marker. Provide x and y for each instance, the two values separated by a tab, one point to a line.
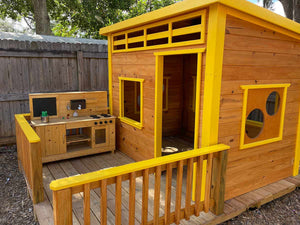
56	170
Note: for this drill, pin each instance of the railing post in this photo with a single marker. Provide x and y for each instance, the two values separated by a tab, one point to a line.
218	182
36	172
62	207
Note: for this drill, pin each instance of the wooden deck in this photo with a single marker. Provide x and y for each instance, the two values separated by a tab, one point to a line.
56	170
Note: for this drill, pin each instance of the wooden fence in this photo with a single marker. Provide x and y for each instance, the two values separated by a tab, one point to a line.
30	157
216	157
38	67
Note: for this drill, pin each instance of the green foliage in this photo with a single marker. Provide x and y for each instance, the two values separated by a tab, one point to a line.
81	18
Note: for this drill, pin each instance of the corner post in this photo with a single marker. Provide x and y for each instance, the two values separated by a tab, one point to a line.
297	149
62	207
211	101
110	102
36	172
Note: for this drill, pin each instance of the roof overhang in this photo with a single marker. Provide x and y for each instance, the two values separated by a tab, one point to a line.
192	5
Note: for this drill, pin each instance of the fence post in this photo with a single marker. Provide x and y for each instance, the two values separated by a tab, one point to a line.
218	182
36	172
62	207
80	69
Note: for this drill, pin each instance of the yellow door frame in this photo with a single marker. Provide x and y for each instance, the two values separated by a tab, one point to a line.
159	67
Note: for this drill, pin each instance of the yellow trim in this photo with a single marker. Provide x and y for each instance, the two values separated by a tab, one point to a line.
159	67
244	116
30	134
122	118
260	86
159	94
213	75
187	6
180	52
254	123
297	149
77	180
163	34
110	76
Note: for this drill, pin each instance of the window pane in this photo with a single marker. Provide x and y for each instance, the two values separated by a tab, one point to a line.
254	123
132	100
273	102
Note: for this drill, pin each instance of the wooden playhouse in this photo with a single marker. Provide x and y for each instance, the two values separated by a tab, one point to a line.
215	80
198	73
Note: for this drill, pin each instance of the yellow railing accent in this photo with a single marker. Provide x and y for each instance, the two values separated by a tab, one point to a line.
27	129
29	156
63	189
133	167
168	32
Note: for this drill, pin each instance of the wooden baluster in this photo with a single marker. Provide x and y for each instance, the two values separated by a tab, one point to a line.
62	207
87	204
199	169
178	192
145	196
188	196
208	183
118	205
132	199
157	195
103	202
168	194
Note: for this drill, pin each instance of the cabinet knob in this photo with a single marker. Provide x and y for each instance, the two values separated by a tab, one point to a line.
110	121
101	122
105	122
95	123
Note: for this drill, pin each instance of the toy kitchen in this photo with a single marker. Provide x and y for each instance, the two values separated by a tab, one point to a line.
72	124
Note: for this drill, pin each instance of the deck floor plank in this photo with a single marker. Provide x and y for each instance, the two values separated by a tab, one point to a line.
56	170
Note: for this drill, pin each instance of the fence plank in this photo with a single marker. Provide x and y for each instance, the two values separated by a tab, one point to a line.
118	205
168	194
145	196
199	168
132	199
178	191
103	202
62	207
188	196
157	195
87	204
208	183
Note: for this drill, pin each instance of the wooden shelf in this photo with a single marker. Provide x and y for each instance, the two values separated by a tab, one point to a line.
77	138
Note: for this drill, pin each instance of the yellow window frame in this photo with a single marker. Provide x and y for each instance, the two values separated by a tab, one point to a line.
122	118
244	116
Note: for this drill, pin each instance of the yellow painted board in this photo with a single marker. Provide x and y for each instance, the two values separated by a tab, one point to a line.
30	134
129	168
297	149
191	5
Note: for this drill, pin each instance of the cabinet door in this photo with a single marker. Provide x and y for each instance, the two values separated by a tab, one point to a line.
55	139
100	137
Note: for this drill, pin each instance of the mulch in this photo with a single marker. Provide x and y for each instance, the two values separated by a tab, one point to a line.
16	206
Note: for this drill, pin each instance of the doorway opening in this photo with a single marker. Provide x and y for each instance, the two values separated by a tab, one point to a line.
178	104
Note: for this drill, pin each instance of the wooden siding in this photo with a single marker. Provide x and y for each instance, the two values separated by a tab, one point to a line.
45	67
138	144
255	55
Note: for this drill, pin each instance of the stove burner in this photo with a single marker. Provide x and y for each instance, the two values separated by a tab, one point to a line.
105	115
95	116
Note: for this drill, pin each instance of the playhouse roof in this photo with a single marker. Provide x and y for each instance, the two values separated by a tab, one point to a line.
191	5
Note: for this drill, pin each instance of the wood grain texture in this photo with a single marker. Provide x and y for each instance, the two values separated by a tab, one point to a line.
260	56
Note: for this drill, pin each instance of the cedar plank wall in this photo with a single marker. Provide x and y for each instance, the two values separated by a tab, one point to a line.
136	143
256	55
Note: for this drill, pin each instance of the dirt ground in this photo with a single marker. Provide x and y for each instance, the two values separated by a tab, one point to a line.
16	206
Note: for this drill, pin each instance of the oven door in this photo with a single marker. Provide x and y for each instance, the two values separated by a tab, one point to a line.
100	136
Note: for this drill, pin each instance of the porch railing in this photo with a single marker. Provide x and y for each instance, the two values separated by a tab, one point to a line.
216	157
29	156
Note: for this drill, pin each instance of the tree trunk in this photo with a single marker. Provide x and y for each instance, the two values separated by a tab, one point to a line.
297	11
288	8
41	17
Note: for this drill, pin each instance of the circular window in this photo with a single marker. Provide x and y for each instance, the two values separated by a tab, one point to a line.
254	123
272	104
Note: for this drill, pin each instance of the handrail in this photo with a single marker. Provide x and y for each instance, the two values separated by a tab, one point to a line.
77	180
29	156
209	181
30	134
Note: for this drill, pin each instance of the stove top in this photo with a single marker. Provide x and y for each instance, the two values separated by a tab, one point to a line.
100	116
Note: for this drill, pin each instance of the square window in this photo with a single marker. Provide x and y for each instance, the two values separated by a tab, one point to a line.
263	114
131	101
